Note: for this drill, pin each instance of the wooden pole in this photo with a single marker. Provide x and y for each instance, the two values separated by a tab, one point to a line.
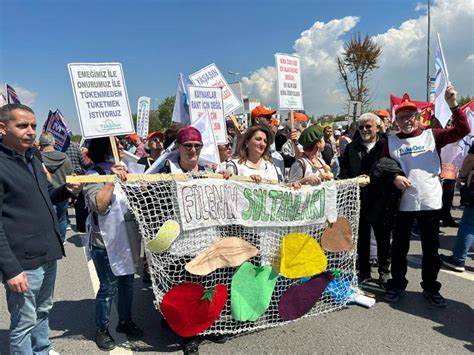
113	144
292	120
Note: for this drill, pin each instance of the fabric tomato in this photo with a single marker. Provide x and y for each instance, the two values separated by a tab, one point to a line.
190	309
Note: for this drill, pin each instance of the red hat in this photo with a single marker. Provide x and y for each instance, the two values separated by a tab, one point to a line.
382	113
188	134
298	116
133	136
406	104
160	135
261	111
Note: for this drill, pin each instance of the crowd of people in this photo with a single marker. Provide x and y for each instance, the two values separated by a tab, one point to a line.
405	192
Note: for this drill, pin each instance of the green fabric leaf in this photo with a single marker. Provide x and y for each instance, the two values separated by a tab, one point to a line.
251	291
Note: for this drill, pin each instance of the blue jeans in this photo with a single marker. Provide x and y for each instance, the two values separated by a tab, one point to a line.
110	286
61	214
29	312
465	235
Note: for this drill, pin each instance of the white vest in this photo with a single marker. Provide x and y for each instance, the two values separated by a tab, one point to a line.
421	164
267	169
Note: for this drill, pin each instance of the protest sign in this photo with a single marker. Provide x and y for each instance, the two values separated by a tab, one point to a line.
101	99
211	203
143	116
208	99
211	76
290	95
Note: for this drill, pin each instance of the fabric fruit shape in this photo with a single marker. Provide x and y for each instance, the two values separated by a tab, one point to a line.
300	298
190	309
301	256
168	232
338	236
227	252
251	291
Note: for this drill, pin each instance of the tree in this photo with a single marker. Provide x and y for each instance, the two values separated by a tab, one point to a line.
359	59
464	100
159	119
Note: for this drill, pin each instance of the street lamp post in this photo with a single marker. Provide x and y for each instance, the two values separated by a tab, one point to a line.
234	74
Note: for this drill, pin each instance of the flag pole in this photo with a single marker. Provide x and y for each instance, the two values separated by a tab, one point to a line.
428	81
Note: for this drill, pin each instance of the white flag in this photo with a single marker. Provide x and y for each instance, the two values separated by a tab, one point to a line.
209	152
441	109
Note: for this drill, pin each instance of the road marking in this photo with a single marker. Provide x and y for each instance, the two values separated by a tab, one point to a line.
415	259
120	339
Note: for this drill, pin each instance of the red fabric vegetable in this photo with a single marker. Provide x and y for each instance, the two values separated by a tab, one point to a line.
190	309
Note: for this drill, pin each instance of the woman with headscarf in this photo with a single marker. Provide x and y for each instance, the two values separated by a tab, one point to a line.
189	144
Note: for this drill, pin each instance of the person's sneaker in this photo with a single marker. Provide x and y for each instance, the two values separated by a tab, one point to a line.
218	338
383	281
129	328
191	346
52	352
68	227
394	295
450	223
435	298
452	263
104	340
363	278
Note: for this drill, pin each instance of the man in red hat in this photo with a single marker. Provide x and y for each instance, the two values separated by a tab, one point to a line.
385	117
417	152
262	115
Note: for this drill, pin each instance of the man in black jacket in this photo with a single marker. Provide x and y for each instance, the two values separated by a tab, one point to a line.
29	240
358	159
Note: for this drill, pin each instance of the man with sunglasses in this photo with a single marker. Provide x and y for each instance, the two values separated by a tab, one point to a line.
417	152
358	159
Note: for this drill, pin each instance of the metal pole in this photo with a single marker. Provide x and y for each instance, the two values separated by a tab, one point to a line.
428	82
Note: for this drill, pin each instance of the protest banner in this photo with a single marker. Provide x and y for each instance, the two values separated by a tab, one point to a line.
285	226
204	203
211	76
290	94
101	99
208	99
143	116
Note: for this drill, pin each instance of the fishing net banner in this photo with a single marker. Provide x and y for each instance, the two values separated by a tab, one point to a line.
228	256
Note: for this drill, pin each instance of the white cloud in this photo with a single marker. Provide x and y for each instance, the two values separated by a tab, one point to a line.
26	96
402	62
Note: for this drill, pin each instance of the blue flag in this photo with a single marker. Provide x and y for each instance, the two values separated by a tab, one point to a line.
12	97
57	126
181	103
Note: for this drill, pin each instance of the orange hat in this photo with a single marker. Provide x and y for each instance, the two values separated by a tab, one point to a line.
261	111
382	113
133	136
298	116
160	135
406	103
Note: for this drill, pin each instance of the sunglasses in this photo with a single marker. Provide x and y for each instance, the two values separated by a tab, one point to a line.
367	127
224	147
189	146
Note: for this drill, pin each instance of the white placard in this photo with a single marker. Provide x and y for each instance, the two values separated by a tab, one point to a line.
290	93
208	99
212	202
143	116
211	76
101	99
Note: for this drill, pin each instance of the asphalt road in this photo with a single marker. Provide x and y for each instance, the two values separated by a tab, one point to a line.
410	326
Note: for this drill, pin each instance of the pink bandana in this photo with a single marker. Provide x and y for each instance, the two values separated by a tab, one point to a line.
188	134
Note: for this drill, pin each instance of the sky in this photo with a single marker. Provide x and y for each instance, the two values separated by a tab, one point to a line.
155	40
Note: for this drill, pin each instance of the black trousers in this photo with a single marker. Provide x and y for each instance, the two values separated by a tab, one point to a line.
382	236
448	195
428	222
